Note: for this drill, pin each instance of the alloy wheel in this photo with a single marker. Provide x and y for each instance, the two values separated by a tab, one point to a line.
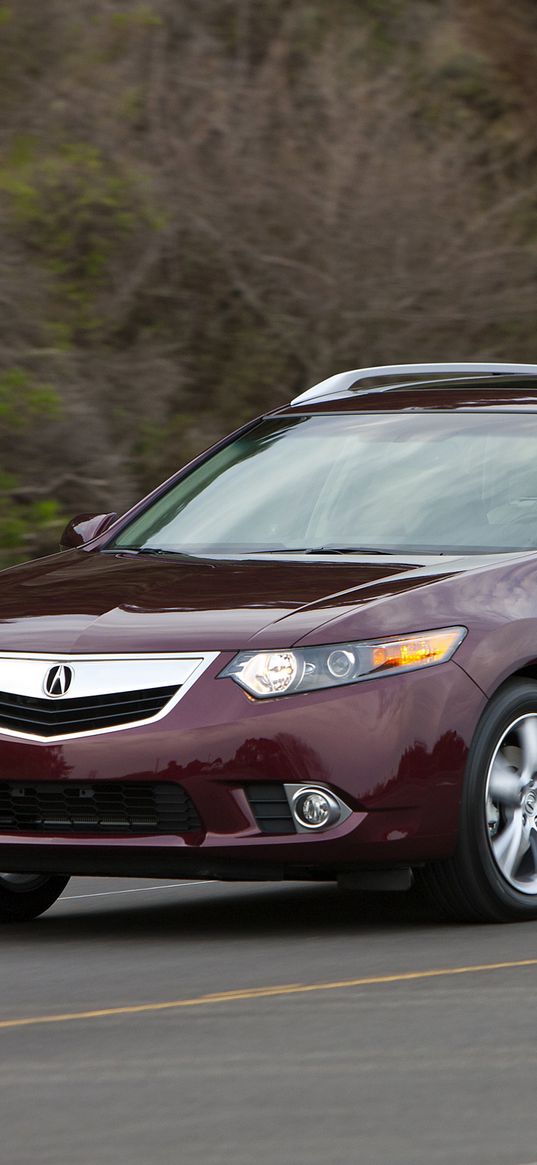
511	804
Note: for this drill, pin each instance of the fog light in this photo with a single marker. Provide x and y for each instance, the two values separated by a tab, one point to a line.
314	808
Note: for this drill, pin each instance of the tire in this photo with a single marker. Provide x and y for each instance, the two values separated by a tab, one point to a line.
25	896
492	876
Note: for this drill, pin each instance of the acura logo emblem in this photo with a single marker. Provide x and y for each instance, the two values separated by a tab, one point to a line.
58	680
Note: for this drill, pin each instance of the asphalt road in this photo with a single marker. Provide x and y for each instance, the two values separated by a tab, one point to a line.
394	1071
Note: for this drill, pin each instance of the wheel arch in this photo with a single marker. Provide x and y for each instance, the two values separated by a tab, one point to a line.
528	672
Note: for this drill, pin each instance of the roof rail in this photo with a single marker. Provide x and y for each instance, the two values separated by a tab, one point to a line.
345	383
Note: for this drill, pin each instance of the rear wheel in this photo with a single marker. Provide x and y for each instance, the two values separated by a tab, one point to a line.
25	896
493	874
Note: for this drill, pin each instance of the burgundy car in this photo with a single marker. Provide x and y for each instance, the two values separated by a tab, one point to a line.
311	654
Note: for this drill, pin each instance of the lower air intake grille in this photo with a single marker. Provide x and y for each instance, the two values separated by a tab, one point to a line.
61	717
271	808
108	807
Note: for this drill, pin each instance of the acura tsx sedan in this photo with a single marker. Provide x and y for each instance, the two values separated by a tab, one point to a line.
311	654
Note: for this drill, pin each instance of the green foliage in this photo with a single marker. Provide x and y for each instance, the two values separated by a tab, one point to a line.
131	103
23	401
29	528
77	211
140	16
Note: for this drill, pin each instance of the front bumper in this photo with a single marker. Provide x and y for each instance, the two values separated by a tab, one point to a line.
394	749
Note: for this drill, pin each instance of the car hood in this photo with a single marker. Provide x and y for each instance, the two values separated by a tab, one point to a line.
101	602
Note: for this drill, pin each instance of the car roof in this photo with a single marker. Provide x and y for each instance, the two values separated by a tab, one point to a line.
413	387
431	395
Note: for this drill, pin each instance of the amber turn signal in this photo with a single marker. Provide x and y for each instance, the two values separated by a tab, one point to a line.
416	650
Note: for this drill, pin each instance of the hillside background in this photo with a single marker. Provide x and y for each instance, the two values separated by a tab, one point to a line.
207	205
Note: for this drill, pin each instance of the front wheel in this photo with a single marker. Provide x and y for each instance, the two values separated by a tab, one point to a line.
493	874
25	896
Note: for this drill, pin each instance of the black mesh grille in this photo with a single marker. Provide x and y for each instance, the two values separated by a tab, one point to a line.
105	807
271	808
43	717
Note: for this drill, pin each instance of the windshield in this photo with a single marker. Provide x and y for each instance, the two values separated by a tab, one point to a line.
426	483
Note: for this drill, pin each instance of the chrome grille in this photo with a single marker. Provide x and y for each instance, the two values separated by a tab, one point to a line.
47	718
45	697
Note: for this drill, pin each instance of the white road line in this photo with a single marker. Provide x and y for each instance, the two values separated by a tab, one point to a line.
136	890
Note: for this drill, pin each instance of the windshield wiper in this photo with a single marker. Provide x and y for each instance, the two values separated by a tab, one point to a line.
347	550
154	551
327	550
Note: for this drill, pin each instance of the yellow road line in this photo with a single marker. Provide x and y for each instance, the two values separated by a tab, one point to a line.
265	993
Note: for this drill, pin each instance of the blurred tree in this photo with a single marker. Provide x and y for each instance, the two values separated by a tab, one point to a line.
206	207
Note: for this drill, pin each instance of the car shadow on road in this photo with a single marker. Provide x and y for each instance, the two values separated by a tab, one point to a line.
239	912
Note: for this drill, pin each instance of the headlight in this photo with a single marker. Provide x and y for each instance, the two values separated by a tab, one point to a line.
305	669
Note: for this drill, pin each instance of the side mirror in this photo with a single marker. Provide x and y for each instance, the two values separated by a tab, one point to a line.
83	528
